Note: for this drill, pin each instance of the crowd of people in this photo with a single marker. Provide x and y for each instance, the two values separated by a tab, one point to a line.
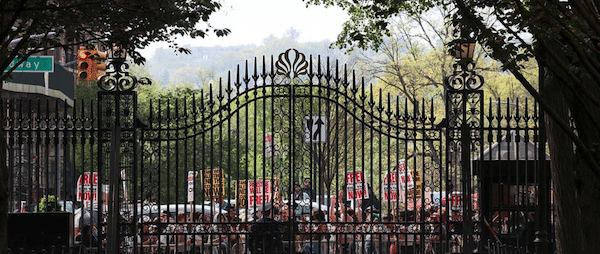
290	227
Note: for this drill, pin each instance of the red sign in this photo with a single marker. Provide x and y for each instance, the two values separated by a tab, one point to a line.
390	187
456	201
259	192
356	186
87	188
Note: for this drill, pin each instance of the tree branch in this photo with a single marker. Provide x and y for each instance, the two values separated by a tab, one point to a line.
587	155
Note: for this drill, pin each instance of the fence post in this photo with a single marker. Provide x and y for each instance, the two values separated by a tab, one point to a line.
117	111
464	102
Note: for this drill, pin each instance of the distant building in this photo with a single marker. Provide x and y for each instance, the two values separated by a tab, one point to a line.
34	102
59	84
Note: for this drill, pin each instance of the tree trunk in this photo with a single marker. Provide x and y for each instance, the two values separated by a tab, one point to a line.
576	188
586	116
568	216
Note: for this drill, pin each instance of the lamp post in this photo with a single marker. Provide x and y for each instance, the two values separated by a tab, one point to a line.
464	100
464	49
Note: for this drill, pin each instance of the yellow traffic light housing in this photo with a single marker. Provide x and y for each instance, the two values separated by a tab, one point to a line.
98	65
84	64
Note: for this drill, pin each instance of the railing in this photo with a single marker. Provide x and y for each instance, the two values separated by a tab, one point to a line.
500	248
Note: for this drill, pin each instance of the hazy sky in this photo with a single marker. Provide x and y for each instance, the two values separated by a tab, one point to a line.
251	21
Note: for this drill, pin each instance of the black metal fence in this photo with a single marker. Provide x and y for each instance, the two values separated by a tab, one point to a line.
334	164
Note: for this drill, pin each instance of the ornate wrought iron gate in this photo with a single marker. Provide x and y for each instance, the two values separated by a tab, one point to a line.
381	174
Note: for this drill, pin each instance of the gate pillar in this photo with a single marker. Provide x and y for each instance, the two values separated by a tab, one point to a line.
464	103
117	135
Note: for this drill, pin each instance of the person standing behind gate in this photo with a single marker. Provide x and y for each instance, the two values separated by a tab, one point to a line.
150	200
307	188
265	235
166	237
181	230
302	200
316	234
344	228
221	234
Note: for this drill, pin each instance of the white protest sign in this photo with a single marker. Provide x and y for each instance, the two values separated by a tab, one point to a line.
270	146
390	186
87	189
356	186
191	179
259	191
125	192
406	179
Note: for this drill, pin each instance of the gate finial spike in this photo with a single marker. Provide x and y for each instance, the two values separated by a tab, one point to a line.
255	76
229	83
337	72
319	66
328	75
246	77
220	95
345	75
310	66
264	69
237	76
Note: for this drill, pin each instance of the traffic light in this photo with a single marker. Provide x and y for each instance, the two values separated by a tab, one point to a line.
84	64
98	65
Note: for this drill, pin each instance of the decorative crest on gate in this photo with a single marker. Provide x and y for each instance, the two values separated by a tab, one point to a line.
291	64
118	79
464	77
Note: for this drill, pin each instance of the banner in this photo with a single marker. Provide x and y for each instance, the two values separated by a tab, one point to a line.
212	181
87	189
409	180
415	192
270	146
191	179
390	186
356	186
241	194
259	192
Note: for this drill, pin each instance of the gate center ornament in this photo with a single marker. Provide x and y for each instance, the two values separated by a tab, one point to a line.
464	77
291	64
117	78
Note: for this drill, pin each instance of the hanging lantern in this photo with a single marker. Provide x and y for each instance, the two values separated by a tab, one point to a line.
464	49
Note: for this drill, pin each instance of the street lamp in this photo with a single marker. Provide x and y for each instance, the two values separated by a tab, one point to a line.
464	49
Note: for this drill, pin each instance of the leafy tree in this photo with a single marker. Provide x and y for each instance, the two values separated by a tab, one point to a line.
562	36
30	27
48	204
192	75
191	143
292	33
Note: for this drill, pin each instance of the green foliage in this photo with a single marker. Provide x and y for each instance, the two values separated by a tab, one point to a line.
370	20
31	27
48	204
562	37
